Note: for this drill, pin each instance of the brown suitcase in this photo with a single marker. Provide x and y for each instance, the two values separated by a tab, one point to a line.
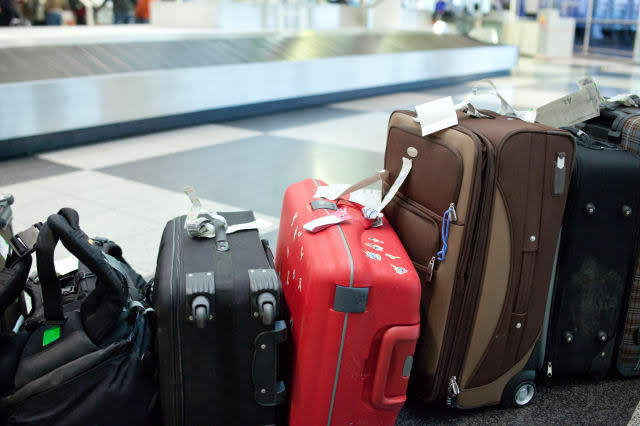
503	183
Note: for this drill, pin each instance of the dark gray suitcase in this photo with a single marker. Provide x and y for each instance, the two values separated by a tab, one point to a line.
594	262
218	303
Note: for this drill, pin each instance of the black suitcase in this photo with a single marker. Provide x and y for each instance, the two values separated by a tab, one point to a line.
594	262
618	125
218	303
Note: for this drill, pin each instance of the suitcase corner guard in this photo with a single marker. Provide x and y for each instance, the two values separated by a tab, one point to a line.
268	390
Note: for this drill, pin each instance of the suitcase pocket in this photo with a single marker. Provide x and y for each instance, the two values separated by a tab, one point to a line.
418	229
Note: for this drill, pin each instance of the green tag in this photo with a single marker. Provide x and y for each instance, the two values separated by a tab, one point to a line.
51	335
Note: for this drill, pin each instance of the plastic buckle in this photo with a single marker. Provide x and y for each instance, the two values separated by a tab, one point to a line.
24	243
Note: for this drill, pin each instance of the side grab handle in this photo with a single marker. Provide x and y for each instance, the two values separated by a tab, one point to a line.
268	390
393	366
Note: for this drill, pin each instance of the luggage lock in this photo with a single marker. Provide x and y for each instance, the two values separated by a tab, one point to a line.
200	288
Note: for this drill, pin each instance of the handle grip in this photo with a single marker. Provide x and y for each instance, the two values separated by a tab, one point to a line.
384	368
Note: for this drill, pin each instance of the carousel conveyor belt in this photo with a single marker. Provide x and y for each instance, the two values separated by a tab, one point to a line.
70	94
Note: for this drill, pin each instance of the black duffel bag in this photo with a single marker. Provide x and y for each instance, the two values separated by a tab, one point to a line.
87	366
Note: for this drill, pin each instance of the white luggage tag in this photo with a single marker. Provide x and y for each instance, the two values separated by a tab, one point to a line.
627	99
199	222
436	115
571	109
324	222
528	115
372	210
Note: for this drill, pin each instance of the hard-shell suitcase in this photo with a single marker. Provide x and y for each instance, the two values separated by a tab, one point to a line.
217	303
354	301
480	215
617	125
595	261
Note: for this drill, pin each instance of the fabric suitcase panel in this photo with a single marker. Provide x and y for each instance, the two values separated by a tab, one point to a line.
629	351
353	297
206	373
530	212
630	139
594	262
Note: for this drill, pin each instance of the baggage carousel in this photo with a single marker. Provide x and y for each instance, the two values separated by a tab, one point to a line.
61	90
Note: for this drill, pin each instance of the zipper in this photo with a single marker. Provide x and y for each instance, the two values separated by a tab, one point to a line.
549	369
430	267
461	310
453	216
453	392
419	209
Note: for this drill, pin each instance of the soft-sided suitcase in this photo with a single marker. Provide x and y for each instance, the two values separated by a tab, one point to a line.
628	357
354	301
480	215
617	125
595	261
217	304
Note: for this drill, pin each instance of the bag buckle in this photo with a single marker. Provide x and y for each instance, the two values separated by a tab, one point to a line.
24	242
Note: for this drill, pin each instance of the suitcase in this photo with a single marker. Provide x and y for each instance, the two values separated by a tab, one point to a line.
479	214
354	299
595	260
617	125
217	304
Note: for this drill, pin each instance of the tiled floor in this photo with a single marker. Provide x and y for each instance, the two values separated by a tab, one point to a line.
127	190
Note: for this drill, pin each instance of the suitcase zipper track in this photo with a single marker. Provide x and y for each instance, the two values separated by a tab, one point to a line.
456	337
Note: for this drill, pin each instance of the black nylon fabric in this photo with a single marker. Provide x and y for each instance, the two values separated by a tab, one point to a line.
594	261
12	281
112	388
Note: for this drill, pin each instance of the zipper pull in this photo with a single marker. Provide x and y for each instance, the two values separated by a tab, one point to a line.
430	267
453	216
549	369
454	391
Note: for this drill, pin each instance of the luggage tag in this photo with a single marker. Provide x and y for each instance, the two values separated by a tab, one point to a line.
436	115
629	100
571	109
528	115
324	222
199	222
372	207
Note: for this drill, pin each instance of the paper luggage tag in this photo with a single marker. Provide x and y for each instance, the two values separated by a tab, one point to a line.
324	222
571	109
436	115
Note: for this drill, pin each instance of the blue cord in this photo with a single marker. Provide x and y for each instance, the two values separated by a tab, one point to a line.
446	220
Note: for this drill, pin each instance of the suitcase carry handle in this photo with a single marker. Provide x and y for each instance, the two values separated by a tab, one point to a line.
268	390
101	310
384	368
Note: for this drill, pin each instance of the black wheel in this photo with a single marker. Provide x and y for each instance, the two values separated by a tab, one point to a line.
267	314
201	317
520	390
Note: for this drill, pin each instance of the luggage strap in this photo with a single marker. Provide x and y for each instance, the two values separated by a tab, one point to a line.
373	213
202	224
24	242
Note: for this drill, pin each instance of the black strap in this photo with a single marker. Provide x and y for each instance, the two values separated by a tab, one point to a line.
101	309
12	281
23	243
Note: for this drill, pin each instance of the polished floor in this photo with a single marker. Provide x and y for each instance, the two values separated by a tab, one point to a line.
127	189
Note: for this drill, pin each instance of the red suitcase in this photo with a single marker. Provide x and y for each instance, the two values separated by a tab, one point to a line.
354	299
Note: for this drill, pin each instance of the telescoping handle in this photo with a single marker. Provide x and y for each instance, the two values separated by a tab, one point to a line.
394	366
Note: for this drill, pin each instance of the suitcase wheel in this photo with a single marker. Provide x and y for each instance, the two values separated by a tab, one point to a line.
520	390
